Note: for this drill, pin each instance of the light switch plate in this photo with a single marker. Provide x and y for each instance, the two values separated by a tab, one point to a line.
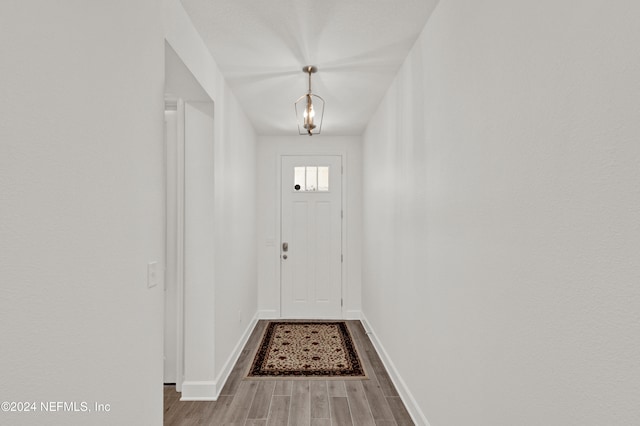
153	274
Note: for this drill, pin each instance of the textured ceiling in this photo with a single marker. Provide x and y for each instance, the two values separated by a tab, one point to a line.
262	45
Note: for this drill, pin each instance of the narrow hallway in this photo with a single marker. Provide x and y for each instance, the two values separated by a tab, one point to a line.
372	401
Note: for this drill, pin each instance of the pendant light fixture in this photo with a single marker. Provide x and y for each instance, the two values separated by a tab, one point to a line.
309	109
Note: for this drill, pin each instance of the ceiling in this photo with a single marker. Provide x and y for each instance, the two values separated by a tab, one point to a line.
262	45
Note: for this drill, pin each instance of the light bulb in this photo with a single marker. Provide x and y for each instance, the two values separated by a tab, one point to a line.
309	113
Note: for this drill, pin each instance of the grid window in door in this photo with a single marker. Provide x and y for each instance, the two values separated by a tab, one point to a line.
311	179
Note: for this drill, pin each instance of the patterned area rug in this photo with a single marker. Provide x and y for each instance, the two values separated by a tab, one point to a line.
306	349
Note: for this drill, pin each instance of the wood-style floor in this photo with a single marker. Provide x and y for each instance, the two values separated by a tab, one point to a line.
370	402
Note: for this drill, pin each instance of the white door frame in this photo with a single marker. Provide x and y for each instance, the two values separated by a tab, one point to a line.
180	159
304	151
179	249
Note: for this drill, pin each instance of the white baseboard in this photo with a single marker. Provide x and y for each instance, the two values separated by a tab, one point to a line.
209	391
235	354
268	314
199	391
352	315
274	314
405	394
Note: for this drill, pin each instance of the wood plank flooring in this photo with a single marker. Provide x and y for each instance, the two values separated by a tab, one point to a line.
370	402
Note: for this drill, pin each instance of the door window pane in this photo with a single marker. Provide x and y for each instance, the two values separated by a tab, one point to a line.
311	179
323	179
299	178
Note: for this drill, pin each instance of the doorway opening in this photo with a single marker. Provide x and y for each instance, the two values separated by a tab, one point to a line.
189	162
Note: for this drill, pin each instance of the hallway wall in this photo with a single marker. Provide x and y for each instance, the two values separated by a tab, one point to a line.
235	240
502	199
81	196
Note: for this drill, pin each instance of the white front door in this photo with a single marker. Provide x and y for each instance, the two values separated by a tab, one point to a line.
311	237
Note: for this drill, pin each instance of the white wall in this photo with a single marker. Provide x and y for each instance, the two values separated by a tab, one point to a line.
81	196
501	200
235	244
81	190
233	297
270	148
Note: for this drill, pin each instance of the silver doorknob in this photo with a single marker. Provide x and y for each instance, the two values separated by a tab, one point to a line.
284	256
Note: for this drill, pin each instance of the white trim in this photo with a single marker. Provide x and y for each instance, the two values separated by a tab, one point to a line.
268	314
199	391
405	394
272	314
180	246
313	317
178	155
210	390
278	229
235	354
352	315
